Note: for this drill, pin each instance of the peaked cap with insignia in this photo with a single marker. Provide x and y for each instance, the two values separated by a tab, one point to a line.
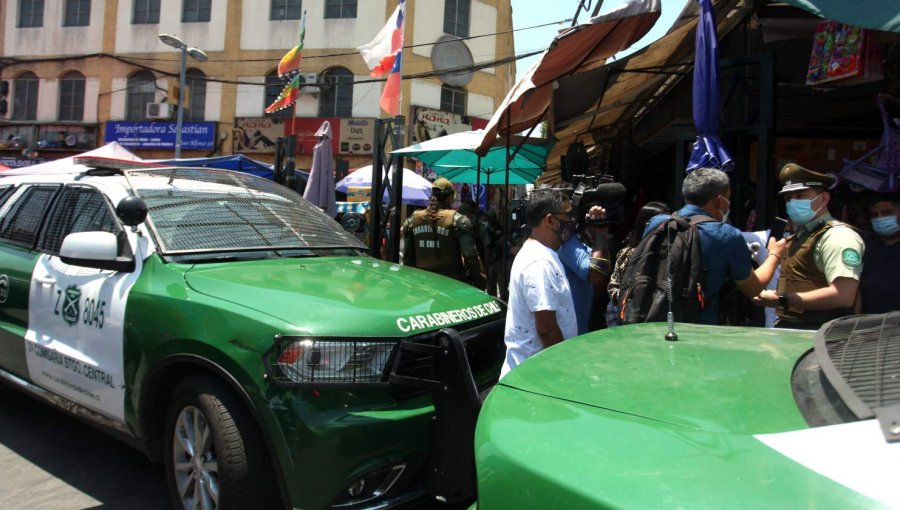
794	177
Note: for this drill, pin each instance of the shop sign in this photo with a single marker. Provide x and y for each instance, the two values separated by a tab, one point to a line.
305	128
257	134
357	136
21	162
161	135
430	123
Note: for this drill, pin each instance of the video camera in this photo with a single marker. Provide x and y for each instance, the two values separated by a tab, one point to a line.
591	190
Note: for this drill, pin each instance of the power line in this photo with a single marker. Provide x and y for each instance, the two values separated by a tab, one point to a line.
350	53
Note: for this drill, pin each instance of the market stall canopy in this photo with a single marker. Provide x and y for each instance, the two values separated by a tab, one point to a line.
578	49
493	176
456	152
621	92
875	14
416	189
111	151
238	162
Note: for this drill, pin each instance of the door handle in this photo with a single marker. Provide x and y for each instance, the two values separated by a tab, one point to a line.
45	281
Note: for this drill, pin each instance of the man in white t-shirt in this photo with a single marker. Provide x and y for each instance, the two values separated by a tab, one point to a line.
541	312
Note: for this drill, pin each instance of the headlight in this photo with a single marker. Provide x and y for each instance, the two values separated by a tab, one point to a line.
312	360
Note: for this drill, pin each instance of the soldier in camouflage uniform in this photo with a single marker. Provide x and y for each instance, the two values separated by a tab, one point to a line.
440	240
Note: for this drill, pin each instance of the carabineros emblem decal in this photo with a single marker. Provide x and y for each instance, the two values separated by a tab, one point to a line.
72	305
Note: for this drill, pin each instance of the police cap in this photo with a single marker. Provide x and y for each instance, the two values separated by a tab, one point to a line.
443	186
794	177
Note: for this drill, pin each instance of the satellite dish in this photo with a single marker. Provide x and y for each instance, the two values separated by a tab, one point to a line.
71	140
452	55
352	222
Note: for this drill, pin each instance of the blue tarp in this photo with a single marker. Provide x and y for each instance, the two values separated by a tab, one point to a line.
237	162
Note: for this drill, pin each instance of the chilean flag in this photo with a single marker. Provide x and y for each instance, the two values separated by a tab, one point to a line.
384	56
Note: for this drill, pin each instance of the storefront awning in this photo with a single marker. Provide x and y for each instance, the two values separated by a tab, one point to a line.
875	14
597	103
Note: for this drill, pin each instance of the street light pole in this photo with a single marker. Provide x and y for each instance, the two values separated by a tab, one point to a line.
198	55
179	126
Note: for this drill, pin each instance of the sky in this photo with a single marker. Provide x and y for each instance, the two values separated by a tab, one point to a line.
529	13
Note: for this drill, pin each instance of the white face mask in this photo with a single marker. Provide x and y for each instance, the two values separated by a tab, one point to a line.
726	213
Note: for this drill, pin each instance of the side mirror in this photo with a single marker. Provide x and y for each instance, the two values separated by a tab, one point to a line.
95	249
132	211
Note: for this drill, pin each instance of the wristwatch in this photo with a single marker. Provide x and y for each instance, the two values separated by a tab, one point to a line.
783	301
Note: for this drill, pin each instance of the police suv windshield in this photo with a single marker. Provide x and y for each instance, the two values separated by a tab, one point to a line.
205	210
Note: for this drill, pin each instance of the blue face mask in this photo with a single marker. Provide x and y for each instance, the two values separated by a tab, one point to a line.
885	226
800	210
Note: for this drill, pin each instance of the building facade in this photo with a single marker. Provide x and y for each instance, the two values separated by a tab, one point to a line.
75	74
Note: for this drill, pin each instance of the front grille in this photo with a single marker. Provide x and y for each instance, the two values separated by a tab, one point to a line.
415	359
860	356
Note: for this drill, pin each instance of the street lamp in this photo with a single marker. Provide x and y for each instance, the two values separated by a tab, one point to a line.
198	55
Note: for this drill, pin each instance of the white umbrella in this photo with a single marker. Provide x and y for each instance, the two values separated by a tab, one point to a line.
416	189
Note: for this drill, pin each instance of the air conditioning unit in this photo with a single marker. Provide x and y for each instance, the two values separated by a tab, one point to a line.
309	78
158	110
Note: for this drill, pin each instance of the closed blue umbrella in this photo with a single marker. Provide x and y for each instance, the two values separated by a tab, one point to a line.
708	151
320	186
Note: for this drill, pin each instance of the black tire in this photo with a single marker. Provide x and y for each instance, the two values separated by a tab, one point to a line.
228	440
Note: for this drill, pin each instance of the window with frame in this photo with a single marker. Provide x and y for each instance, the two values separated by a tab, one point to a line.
141	92
71	96
336	95
340	8
280	10
31	13
77	13
79	209
453	100
456	17
145	12
196	11
274	86
25	97
22	221
195	82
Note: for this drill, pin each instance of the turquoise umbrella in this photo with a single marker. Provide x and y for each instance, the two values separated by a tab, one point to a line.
455	155
487	175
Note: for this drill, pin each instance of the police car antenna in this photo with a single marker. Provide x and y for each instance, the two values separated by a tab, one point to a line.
670	319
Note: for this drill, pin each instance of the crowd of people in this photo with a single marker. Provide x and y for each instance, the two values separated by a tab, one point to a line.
560	278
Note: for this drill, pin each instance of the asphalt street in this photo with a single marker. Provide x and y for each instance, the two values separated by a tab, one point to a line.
51	461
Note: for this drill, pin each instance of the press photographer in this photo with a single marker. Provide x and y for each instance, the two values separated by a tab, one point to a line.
598	203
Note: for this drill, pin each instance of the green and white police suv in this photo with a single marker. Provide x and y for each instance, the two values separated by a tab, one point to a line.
231	330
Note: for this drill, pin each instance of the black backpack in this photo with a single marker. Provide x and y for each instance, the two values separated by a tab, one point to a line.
643	296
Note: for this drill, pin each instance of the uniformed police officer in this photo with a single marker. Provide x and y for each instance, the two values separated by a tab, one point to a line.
441	240
820	273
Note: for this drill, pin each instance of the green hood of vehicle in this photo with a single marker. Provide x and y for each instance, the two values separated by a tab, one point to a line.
347	296
701	381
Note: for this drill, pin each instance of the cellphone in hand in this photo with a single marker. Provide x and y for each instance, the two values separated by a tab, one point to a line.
778	226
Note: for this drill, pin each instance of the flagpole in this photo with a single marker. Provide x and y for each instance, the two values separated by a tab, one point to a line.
294	106
400	71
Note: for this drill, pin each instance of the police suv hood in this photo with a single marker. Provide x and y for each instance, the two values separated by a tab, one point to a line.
713	378
348	296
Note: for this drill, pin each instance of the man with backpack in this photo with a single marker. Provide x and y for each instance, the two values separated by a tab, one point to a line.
687	257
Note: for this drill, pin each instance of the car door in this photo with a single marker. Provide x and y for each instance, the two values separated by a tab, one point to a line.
22	213
76	314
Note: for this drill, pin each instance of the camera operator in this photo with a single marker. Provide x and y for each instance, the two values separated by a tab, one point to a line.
585	258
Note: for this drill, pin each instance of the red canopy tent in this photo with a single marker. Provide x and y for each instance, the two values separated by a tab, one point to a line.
578	49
